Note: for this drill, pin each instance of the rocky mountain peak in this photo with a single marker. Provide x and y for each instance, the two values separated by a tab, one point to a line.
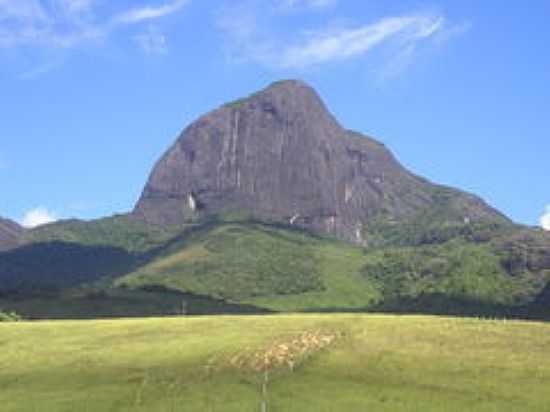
291	95
280	155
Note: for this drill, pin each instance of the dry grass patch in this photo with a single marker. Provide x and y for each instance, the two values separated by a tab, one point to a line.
289	352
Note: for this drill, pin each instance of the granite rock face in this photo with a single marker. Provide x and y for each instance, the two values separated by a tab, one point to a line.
10	234
279	154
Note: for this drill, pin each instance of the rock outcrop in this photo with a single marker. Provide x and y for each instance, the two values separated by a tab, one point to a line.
280	155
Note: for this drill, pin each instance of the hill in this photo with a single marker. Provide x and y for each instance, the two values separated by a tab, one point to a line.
246	265
285	269
280	363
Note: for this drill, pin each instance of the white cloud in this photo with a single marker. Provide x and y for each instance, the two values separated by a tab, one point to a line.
152	41
343	44
545	219
397	63
248	39
37	217
68	23
47	23
149	13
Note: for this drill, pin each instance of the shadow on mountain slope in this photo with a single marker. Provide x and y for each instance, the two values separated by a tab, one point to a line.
60	265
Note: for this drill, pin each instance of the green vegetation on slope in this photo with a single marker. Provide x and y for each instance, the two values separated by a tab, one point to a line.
280	269
449	217
83	268
268	266
72	253
456	269
121	232
235	262
344	287
368	362
60	265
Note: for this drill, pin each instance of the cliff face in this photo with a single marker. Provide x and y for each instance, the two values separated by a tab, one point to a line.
279	154
10	234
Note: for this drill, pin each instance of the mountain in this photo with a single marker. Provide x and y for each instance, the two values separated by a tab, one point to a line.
280	155
268	204
10	234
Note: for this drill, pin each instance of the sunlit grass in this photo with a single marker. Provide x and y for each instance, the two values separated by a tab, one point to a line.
381	363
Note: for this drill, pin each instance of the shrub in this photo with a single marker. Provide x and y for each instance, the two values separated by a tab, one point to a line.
9	317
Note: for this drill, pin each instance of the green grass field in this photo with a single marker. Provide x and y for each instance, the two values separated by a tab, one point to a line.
281	363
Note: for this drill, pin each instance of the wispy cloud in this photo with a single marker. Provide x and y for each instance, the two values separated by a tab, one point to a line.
38	217
47	23
323	47
398	36
68	23
152	41
545	219
138	15
397	63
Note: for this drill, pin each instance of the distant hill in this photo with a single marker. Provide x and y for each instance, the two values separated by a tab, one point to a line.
10	234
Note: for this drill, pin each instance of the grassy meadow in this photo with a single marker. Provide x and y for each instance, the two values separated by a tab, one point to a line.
331	362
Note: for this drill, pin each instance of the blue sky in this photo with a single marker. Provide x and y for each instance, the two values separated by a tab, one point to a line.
93	91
